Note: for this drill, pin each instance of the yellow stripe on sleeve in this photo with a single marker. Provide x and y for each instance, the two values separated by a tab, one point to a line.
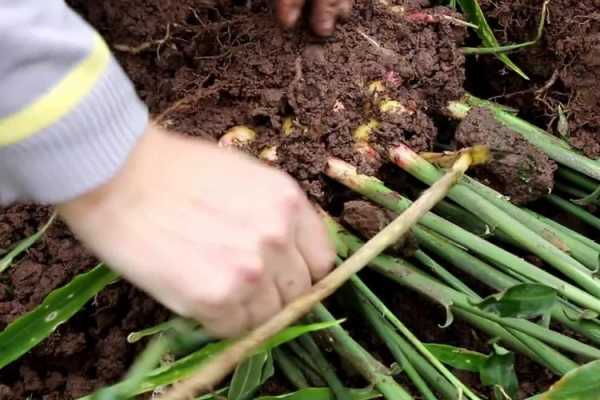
59	100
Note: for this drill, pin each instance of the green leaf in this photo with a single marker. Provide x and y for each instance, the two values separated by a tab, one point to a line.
579	384
457	357
24	244
528	300
589	199
323	394
499	371
60	305
250	375
485	33
188	365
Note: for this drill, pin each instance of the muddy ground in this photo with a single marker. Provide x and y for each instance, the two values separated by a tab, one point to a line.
204	69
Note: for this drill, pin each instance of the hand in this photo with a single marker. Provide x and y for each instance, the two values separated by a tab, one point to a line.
209	232
323	17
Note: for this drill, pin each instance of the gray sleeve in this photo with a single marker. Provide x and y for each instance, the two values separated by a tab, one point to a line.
69	116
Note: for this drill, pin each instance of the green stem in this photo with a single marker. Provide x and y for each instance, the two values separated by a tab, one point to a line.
392	341
578	179
326	370
576	235
555	148
495	279
293	374
397	324
463	260
360	359
376	191
403	273
464	218
581	252
577	211
537	331
442	273
490	213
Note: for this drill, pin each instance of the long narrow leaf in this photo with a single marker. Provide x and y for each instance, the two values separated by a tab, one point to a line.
476	16
60	305
323	394
188	365
24	244
250	375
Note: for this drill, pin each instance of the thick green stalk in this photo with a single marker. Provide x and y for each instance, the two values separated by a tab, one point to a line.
576	178
537	331
360	359
403	273
392	341
441	272
555	148
573	192
365	292
581	252
409	161
464	218
576	235
326	370
463	260
376	191
577	211
293	374
498	280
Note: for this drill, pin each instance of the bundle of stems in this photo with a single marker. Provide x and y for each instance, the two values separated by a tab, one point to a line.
222	364
376	191
521	335
555	148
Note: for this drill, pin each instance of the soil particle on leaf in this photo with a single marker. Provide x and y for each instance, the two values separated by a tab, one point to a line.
564	66
517	169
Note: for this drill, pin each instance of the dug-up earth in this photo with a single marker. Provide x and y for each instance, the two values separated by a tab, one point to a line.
203	69
564	66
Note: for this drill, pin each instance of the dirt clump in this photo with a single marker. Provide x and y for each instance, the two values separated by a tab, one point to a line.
565	65
368	219
90	350
517	169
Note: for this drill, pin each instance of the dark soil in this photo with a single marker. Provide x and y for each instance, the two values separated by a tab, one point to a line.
204	69
564	66
517	169
90	350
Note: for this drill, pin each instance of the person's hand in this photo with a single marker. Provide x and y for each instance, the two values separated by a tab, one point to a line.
208	232
323	16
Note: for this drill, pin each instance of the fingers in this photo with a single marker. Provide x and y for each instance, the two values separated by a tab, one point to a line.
324	15
288	11
314	243
225	322
289	270
264	303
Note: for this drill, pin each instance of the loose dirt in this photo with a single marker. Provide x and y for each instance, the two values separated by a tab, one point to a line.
203	69
564	66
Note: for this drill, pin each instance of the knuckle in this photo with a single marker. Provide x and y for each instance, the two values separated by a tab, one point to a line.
252	270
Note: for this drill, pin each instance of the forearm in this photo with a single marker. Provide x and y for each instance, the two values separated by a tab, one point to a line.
69	116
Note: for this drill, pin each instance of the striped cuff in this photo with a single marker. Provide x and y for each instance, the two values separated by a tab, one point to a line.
79	151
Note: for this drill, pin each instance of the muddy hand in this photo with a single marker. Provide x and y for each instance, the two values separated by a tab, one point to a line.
210	233
323	16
